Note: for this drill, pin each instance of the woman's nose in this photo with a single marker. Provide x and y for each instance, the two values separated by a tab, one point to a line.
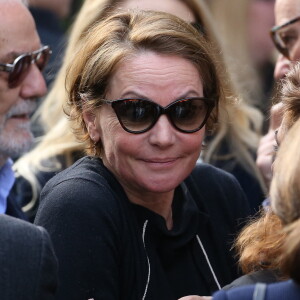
33	85
163	133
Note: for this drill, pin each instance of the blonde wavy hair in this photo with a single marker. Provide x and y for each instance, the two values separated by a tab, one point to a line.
260	244
239	124
285	195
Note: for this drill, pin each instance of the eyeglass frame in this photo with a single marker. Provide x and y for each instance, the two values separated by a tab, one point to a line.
162	111
9	68
274	30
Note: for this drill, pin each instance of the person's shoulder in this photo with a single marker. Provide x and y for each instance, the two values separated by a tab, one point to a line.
19	233
245	293
27	261
22	240
280	290
11	224
265	276
85	188
284	290
86	169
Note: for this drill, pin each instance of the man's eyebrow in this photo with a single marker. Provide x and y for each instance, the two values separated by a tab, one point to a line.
9	57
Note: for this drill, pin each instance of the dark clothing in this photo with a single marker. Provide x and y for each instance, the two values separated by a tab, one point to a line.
22	189
250	186
288	290
28	267
109	248
248	182
13	209
265	276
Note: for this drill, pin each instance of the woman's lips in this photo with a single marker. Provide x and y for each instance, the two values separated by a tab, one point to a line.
160	162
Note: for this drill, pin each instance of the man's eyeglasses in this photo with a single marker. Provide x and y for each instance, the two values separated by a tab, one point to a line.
21	65
285	36
140	115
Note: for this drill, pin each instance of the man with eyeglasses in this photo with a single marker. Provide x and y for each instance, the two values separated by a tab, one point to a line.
22	59
28	266
286	38
286	34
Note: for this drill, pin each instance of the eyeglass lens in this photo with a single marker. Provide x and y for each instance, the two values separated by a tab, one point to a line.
287	36
23	63
139	115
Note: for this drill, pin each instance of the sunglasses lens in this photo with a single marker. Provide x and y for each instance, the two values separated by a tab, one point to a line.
135	115
188	115
20	70
42	58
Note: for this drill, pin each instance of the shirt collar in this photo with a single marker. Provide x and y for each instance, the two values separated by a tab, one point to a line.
7	179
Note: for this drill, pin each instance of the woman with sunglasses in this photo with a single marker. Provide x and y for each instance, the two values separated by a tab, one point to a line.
138	218
231	147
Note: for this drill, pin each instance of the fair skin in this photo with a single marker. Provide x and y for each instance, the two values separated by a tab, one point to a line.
152	164
265	151
174	7
285	10
17	103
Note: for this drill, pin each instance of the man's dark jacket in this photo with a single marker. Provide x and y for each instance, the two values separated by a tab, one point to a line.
28	266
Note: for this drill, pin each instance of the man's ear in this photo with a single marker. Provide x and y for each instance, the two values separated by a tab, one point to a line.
91	125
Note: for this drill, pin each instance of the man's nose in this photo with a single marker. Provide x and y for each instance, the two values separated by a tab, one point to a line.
34	85
282	66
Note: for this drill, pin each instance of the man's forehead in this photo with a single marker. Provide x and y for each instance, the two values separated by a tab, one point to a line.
17	30
286	10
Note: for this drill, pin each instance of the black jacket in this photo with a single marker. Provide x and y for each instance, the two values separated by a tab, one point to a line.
109	248
13	209
287	290
28	266
264	276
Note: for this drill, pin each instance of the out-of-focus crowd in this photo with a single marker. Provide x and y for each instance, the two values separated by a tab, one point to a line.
149	149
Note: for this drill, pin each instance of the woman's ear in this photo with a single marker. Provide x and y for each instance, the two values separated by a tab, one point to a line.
91	125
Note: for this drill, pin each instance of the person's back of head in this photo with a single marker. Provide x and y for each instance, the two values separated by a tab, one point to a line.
260	244
285	198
